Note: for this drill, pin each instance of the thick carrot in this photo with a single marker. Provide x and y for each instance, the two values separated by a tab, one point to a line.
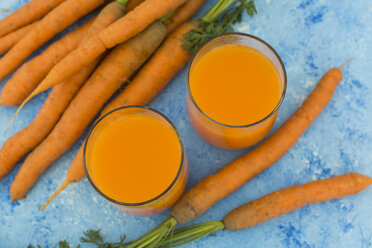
55	21
271	206
295	197
183	14
27	139
128	26
116	68
169	59
132	4
28	13
30	74
8	41
215	187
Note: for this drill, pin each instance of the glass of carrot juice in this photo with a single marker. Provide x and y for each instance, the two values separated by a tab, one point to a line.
134	157
236	84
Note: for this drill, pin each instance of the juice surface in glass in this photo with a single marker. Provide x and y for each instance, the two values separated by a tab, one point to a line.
135	159
234	94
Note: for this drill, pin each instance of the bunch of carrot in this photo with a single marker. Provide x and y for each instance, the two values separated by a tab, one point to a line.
73	104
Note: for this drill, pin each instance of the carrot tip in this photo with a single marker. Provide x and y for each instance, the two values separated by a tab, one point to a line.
345	63
60	188
15	115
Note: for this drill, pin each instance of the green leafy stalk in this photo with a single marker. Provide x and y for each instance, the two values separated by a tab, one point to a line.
94	237
217	21
123	2
155	237
168	15
184	235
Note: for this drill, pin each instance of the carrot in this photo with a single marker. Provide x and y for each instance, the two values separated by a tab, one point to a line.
29	75
295	197
8	41
27	139
273	205
165	64
55	21
215	187
116	68
132	4
182	14
28	13
128	26
167	61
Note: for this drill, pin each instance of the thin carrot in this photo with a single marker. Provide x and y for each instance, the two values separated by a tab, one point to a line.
128	26
183	14
273	205
30	74
28	13
295	197
8	40
116	68
55	21
27	139
167	61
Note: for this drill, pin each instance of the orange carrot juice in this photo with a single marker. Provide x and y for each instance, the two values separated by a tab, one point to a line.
235	91
135	159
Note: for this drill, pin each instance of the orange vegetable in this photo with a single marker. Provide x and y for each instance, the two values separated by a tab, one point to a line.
30	74
24	141
289	199
8	41
55	21
116	68
169	59
183	14
218	185
28	13
132	4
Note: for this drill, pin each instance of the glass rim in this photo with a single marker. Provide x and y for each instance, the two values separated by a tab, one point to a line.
258	40
139	204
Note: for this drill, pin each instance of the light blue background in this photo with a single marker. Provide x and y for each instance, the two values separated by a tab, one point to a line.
311	36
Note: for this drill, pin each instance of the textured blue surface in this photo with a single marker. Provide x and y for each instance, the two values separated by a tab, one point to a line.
311	36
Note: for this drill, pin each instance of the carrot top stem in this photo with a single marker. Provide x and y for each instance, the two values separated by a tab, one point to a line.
155	236
216	10
167	16
123	2
184	235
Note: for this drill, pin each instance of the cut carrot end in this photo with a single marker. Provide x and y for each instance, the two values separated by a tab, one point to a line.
345	63
60	188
